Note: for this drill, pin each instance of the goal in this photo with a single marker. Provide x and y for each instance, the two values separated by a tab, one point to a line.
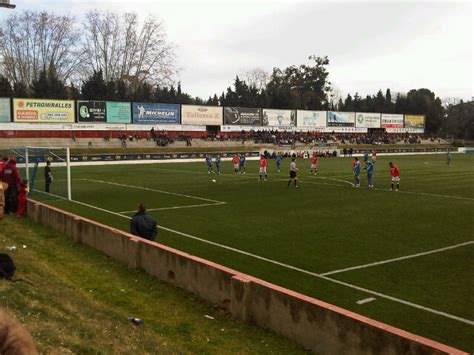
32	162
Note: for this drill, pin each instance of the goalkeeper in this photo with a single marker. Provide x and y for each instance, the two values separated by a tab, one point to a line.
48	177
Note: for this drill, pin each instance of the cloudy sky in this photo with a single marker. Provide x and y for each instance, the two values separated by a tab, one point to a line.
371	45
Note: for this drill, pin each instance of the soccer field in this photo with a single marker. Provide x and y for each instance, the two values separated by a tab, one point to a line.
405	258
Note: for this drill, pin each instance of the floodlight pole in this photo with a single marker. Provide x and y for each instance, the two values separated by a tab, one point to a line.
26	165
68	166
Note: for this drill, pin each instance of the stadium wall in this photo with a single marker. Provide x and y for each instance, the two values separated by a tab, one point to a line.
316	325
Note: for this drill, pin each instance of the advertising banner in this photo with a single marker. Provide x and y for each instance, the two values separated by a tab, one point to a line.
5	110
236	128
390	120
91	111
118	112
39	110
242	116
165	128
279	118
342	129
341	119
150	113
415	122
201	115
367	120
308	119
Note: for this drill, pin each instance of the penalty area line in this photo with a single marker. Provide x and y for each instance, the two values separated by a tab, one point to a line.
154	190
274	262
179	207
397	259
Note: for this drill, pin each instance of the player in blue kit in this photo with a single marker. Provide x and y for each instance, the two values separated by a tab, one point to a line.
218	164
209	164
370	173
356	171
242	163
278	160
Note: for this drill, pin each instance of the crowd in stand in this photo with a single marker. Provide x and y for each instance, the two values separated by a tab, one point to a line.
163	138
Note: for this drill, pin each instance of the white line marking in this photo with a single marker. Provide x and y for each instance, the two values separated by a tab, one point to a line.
179	207
355	287
366	300
397	259
154	190
428	194
340	180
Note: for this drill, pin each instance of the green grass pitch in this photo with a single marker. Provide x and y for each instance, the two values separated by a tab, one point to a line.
298	238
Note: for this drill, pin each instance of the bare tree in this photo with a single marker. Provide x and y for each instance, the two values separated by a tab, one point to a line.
450	101
34	41
256	77
125	49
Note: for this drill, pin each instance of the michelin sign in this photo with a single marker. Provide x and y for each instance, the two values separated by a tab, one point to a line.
150	113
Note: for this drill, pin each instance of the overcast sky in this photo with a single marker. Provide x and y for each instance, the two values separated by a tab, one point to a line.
371	45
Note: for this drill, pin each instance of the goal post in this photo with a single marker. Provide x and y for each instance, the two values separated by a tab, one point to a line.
33	162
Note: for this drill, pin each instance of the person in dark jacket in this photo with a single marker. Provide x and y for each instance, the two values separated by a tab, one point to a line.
48	177
143	225
11	176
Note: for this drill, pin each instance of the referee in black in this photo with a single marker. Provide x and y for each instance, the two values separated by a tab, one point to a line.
293	170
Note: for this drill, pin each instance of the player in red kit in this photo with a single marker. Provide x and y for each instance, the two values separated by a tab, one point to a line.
236	161
395	173
314	165
263	167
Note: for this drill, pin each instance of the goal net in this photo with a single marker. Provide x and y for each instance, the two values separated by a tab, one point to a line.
47	170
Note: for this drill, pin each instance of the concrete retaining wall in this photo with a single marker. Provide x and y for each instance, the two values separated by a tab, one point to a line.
314	324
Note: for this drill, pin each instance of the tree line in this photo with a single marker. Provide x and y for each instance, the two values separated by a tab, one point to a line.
120	58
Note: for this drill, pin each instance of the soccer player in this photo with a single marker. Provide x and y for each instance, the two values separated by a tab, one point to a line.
395	173
236	162
263	167
314	165
209	164
366	158
278	160
218	164
242	163
374	155
293	175
370	173
356	170
449	158
48	177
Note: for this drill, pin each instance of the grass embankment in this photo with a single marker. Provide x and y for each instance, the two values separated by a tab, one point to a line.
77	300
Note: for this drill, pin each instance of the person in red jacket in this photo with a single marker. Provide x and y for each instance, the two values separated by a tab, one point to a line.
11	176
22	193
3	162
395	173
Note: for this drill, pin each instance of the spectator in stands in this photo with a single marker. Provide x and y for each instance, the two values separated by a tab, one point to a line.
11	176
143	225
